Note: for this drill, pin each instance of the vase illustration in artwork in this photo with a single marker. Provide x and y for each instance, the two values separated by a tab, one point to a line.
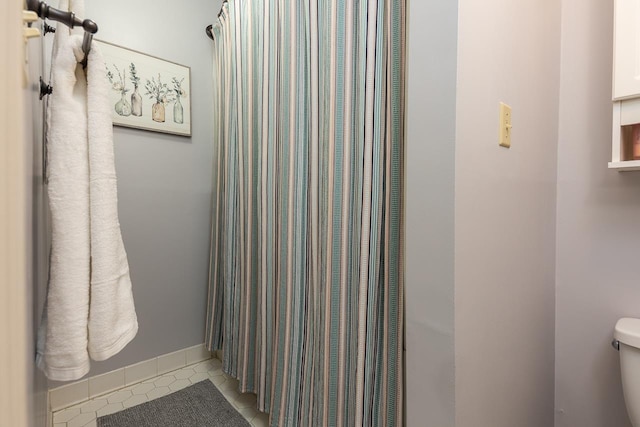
136	103
158	92
136	99
119	84
123	107
179	92
157	112
178	111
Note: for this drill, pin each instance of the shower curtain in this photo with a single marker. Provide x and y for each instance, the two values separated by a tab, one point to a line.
306	278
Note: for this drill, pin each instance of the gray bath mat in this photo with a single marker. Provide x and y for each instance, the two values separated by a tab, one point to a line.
199	405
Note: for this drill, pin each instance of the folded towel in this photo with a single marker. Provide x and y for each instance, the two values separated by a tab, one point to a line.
89	309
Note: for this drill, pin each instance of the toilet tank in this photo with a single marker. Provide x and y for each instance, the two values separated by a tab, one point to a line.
627	332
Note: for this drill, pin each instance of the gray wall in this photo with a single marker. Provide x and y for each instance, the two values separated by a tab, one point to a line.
598	227
506	213
164	181
431	97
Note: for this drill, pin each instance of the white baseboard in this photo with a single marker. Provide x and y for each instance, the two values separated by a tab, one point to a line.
88	388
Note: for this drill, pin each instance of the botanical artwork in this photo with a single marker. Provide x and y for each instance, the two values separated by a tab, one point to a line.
147	92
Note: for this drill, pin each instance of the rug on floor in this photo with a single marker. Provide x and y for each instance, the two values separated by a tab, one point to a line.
199	405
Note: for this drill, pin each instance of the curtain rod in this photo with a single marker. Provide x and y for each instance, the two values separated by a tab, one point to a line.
209	29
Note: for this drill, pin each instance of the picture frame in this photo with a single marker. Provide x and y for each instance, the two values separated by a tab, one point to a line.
147	92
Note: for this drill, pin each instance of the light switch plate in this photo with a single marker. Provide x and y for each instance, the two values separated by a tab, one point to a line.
505	125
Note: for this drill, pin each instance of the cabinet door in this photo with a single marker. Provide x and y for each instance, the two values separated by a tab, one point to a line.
626	73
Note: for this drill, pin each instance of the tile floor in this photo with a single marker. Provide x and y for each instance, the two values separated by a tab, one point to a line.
85	414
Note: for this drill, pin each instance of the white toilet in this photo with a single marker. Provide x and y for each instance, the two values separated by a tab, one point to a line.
627	340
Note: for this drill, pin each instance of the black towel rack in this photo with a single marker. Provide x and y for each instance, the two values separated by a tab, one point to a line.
69	19
44	11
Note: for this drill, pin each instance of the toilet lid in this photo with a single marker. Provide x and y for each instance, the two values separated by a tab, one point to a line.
628	332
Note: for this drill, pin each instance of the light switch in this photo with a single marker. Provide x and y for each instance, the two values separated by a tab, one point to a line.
505	125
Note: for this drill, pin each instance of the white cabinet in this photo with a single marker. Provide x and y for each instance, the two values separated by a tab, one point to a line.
626	86
626	53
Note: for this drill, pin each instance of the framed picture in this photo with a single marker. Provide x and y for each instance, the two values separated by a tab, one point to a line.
147	92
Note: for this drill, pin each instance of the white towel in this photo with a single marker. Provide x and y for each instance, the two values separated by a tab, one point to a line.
89	309
62	346
112	316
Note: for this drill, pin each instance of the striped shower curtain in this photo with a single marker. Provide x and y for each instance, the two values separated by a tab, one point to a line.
306	280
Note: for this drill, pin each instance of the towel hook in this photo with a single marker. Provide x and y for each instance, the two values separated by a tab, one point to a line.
46	28
45	89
